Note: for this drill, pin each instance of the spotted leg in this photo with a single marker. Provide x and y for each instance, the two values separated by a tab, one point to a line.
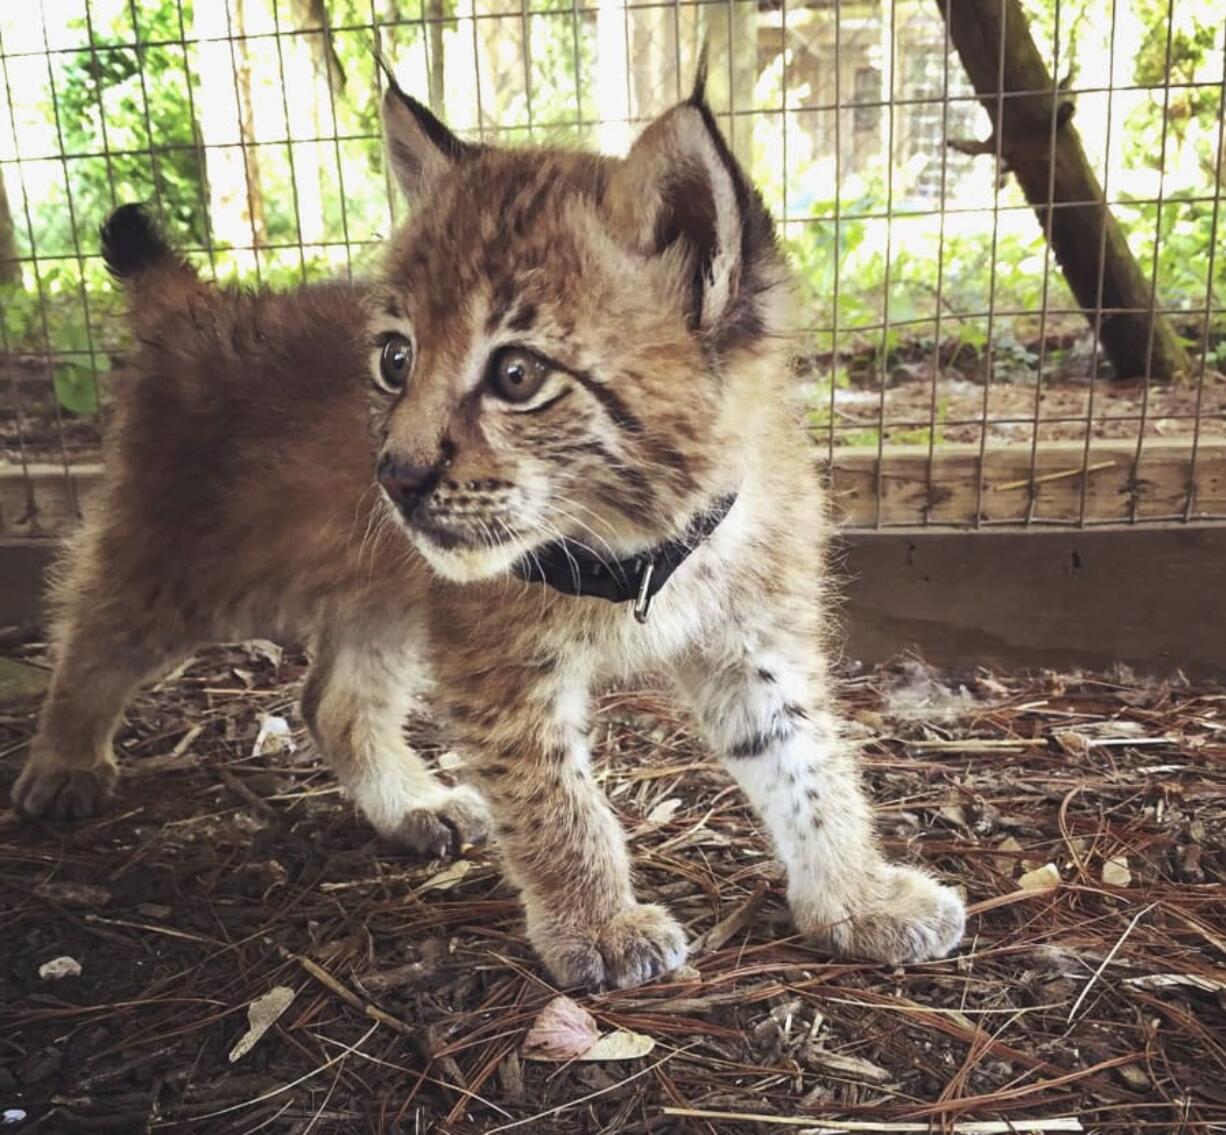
561	843
762	712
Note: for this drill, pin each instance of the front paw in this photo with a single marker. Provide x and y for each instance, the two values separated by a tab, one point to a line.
441	826
900	916
57	793
636	946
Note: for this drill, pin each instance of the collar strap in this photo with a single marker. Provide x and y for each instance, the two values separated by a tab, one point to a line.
574	569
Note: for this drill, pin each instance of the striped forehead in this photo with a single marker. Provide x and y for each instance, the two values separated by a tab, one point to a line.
502	226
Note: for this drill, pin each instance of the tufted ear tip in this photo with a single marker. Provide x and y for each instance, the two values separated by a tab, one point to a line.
419	146
698	94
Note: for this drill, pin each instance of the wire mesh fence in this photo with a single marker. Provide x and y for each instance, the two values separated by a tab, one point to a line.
956	370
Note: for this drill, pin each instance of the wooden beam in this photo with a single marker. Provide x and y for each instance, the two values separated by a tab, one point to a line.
1115	491
43	501
1145	595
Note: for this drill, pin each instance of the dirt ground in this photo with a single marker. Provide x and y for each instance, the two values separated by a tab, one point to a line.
1085	817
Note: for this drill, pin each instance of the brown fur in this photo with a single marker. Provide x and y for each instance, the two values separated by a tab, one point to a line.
239	501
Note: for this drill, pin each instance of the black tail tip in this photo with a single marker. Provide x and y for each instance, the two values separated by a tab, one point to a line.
132	242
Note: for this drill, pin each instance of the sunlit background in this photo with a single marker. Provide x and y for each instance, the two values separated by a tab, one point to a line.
251	125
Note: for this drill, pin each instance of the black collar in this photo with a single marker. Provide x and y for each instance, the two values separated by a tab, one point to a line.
574	569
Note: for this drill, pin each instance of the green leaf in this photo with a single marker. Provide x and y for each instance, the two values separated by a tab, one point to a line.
76	388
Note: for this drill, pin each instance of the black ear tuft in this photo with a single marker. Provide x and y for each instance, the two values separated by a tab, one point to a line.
452	148
698	95
132	242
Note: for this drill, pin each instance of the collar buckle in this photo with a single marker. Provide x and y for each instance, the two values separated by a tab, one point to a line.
642	600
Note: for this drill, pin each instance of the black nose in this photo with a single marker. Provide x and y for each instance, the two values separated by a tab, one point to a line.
406	484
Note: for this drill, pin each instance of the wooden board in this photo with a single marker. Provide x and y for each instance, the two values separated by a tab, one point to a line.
1150	596
1158	487
45	502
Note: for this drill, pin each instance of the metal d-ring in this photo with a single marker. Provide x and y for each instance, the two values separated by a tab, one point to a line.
642	602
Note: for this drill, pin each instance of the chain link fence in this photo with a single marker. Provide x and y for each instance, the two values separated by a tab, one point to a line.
957	370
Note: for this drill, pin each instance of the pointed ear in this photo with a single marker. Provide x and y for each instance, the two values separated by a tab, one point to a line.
419	147
680	193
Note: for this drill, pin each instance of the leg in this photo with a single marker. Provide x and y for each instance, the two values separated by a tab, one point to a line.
102	655
561	842
355	701
762	712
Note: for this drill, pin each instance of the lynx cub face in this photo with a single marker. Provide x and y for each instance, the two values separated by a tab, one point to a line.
572	328
575	363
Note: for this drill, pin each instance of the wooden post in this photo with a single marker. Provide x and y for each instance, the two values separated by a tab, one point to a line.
1022	125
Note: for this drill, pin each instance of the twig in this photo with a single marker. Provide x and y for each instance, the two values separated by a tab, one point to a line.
719	934
1107	960
350	998
276	1091
1010	486
962	1127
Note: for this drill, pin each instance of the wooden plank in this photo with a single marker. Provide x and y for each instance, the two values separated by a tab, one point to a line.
1147	595
1159	485
43	500
23	567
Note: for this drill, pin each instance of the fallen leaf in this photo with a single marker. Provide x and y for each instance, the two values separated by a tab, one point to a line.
262	1014
448	876
1134	1077
563	1030
1169	980
1072	742
1040	879
263	648
854	1067
620	1045
664	811
273	737
1116	872
57	968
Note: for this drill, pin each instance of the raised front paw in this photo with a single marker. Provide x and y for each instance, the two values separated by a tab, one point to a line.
444	824
640	944
53	793
901	916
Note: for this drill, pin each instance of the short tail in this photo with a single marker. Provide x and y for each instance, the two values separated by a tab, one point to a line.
157	281
132	243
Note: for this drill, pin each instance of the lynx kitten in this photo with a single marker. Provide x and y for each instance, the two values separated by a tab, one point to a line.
588	465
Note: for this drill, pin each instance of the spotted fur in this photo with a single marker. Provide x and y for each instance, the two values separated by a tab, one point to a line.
653	290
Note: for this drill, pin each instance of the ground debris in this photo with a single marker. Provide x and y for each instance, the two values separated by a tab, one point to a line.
220	875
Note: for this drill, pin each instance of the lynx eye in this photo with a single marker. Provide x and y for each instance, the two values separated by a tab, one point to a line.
395	362
515	375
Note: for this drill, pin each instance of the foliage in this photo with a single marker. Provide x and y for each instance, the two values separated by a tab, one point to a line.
126	118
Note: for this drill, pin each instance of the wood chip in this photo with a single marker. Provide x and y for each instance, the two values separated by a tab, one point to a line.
1116	872
1040	879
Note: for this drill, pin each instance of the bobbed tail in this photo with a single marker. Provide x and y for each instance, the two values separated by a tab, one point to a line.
156	278
132	243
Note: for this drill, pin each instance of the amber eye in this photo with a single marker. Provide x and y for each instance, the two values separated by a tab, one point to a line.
395	362
515	374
